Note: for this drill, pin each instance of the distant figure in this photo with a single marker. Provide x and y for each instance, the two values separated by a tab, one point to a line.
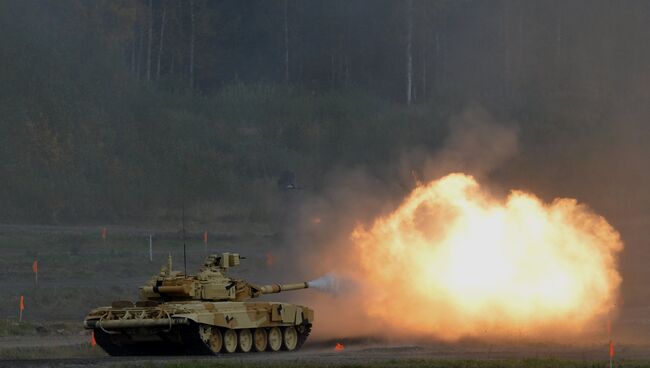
287	180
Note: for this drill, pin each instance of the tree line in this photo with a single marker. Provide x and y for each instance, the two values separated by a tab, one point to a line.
111	108
204	44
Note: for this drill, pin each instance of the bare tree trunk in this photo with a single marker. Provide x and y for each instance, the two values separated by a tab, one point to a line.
424	72
520	40
559	25
437	64
149	42
347	70
192	44
409	52
286	41
179	57
444	41
505	21
135	41
332	68
162	37
140	51
133	48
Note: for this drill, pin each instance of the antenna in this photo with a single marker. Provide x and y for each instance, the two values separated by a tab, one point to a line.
183	196
184	252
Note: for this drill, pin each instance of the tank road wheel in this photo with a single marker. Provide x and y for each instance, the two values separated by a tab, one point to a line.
245	340
290	338
275	339
260	338
230	340
211	337
215	343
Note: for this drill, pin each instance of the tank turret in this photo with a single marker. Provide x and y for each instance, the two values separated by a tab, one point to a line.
211	283
206	313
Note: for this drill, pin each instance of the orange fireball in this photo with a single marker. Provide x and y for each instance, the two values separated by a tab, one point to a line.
453	261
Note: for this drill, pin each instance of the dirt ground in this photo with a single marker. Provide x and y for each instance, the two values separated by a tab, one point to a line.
322	354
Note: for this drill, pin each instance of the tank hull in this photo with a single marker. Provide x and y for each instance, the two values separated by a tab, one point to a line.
200	327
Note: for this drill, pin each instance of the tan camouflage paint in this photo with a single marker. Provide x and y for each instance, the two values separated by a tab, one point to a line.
209	298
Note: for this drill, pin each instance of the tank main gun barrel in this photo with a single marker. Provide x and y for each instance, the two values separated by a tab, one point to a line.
278	288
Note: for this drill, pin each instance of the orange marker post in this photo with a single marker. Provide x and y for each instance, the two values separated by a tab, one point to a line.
21	307
611	343
35	270
104	232
205	239
269	260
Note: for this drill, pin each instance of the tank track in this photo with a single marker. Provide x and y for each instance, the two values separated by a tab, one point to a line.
112	348
190	343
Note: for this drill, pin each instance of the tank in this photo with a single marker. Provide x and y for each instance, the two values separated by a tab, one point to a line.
206	313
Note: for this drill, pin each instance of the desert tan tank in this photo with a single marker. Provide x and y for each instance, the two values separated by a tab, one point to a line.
206	313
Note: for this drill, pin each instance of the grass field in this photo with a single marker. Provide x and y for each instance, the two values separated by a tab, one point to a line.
15	328
78	270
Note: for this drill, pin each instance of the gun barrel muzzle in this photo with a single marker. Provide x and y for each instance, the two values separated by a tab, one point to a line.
278	288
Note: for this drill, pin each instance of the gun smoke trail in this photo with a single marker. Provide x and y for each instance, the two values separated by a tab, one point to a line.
327	283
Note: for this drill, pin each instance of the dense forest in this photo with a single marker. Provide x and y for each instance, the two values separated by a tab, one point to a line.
127	109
